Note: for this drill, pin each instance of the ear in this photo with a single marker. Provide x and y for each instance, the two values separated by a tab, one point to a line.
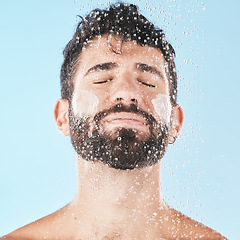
61	116
177	122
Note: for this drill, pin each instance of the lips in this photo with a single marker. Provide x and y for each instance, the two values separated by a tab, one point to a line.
125	118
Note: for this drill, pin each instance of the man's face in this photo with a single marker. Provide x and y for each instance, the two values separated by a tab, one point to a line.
120	112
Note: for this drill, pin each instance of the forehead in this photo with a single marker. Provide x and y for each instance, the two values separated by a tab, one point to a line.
111	49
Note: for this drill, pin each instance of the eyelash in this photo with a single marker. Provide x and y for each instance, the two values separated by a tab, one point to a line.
108	80
147	84
105	81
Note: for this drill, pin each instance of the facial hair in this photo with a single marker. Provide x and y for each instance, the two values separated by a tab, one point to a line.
123	148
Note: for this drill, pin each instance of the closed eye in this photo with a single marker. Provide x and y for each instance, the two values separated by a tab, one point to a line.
147	84
104	81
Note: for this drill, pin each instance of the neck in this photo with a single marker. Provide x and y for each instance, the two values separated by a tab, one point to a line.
110	196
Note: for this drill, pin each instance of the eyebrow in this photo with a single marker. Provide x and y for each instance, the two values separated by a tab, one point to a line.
147	68
102	67
111	65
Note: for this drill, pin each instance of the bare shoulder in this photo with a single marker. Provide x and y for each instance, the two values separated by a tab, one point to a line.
27	232
36	230
7	238
188	228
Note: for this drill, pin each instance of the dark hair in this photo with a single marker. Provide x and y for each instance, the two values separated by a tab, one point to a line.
123	20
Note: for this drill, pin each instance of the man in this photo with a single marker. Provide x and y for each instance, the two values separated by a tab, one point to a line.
119	105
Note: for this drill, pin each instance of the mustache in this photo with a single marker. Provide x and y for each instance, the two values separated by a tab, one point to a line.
123	108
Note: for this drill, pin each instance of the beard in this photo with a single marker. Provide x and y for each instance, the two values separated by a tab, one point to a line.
121	148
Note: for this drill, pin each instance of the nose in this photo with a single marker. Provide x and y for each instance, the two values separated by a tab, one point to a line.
125	91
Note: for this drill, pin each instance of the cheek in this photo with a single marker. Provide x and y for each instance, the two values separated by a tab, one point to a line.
162	107
84	103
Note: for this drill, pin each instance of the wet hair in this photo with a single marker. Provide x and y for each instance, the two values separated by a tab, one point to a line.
122	20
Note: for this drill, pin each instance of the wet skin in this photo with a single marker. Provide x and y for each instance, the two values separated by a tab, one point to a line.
136	76
111	203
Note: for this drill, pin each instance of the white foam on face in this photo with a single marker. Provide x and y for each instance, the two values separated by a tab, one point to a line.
84	103
162	106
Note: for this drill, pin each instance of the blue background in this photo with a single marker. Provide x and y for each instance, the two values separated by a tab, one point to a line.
200	173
